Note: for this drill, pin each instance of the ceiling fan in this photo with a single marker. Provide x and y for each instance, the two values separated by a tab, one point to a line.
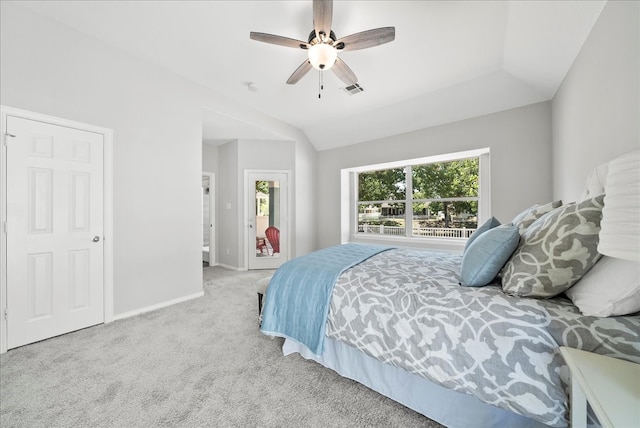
323	46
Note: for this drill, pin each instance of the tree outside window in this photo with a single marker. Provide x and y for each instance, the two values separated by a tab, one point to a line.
443	197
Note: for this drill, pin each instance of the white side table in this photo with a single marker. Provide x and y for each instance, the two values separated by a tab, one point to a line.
611	386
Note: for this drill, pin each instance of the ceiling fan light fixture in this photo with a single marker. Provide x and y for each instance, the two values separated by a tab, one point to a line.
322	56
322	45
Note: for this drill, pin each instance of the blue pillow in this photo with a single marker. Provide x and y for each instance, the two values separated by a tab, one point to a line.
487	225
486	255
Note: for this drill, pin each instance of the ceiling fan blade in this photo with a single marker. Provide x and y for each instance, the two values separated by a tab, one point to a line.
278	40
322	16
366	39
299	73
342	70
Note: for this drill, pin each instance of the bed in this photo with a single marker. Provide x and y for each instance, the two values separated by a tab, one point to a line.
400	321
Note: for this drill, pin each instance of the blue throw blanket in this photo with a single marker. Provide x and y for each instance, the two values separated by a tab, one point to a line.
298	296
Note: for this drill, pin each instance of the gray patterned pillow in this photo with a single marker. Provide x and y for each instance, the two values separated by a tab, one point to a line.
531	214
555	251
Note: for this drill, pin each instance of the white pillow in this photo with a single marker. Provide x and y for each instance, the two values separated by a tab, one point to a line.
610	288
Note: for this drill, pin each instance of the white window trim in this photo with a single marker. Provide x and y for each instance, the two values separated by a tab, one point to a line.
349	192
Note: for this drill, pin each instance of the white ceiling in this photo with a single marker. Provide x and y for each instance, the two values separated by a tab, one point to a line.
450	60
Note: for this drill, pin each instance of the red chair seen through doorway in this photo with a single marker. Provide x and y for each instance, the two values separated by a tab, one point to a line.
273	236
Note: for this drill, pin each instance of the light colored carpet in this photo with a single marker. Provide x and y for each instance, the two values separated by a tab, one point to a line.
202	363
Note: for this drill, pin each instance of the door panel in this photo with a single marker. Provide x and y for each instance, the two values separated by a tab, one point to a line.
267	202
40	286
40	190
55	229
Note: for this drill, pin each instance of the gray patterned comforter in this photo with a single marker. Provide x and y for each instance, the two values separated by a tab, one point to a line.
405	308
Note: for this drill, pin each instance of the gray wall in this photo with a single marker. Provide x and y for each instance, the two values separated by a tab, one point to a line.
305	216
539	152
156	116
520	144
210	158
596	110
228	210
157	182
158	155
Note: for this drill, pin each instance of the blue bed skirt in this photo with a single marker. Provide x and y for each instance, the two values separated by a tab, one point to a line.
434	401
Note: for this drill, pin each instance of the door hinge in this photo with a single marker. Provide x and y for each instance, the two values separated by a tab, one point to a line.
5	227
6	314
7	136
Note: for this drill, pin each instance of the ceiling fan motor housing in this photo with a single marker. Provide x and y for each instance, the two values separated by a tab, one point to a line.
314	40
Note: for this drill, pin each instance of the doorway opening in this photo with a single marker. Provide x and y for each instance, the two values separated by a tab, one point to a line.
208	219
267	246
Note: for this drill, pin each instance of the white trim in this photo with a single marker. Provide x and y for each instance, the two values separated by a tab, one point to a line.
285	220
349	192
213	243
416	161
347	209
3	240
158	306
108	207
484	191
446	245
237	269
108	226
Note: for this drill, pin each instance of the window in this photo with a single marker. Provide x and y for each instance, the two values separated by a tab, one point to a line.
435	197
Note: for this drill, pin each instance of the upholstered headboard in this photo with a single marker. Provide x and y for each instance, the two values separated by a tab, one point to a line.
620	233
612	286
595	182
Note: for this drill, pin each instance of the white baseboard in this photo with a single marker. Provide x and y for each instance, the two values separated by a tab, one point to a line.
231	267
157	306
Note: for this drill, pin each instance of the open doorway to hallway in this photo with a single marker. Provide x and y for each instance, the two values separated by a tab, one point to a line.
208	219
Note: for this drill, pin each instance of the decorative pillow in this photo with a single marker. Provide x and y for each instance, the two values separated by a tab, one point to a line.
555	251
531	214
487	225
486	255
611	288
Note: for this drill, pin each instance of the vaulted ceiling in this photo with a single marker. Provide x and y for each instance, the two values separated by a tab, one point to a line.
451	60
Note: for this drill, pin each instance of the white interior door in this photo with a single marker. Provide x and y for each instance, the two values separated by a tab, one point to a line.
54	230
267	223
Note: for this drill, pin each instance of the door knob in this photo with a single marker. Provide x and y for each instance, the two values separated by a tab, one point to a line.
95	238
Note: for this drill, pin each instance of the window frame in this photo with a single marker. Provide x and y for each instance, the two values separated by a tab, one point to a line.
350	201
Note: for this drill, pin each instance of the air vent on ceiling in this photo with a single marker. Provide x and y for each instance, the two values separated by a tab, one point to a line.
353	89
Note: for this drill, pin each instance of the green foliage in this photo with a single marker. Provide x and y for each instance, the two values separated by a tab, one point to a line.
262	186
441	180
454	179
446	179
387	184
